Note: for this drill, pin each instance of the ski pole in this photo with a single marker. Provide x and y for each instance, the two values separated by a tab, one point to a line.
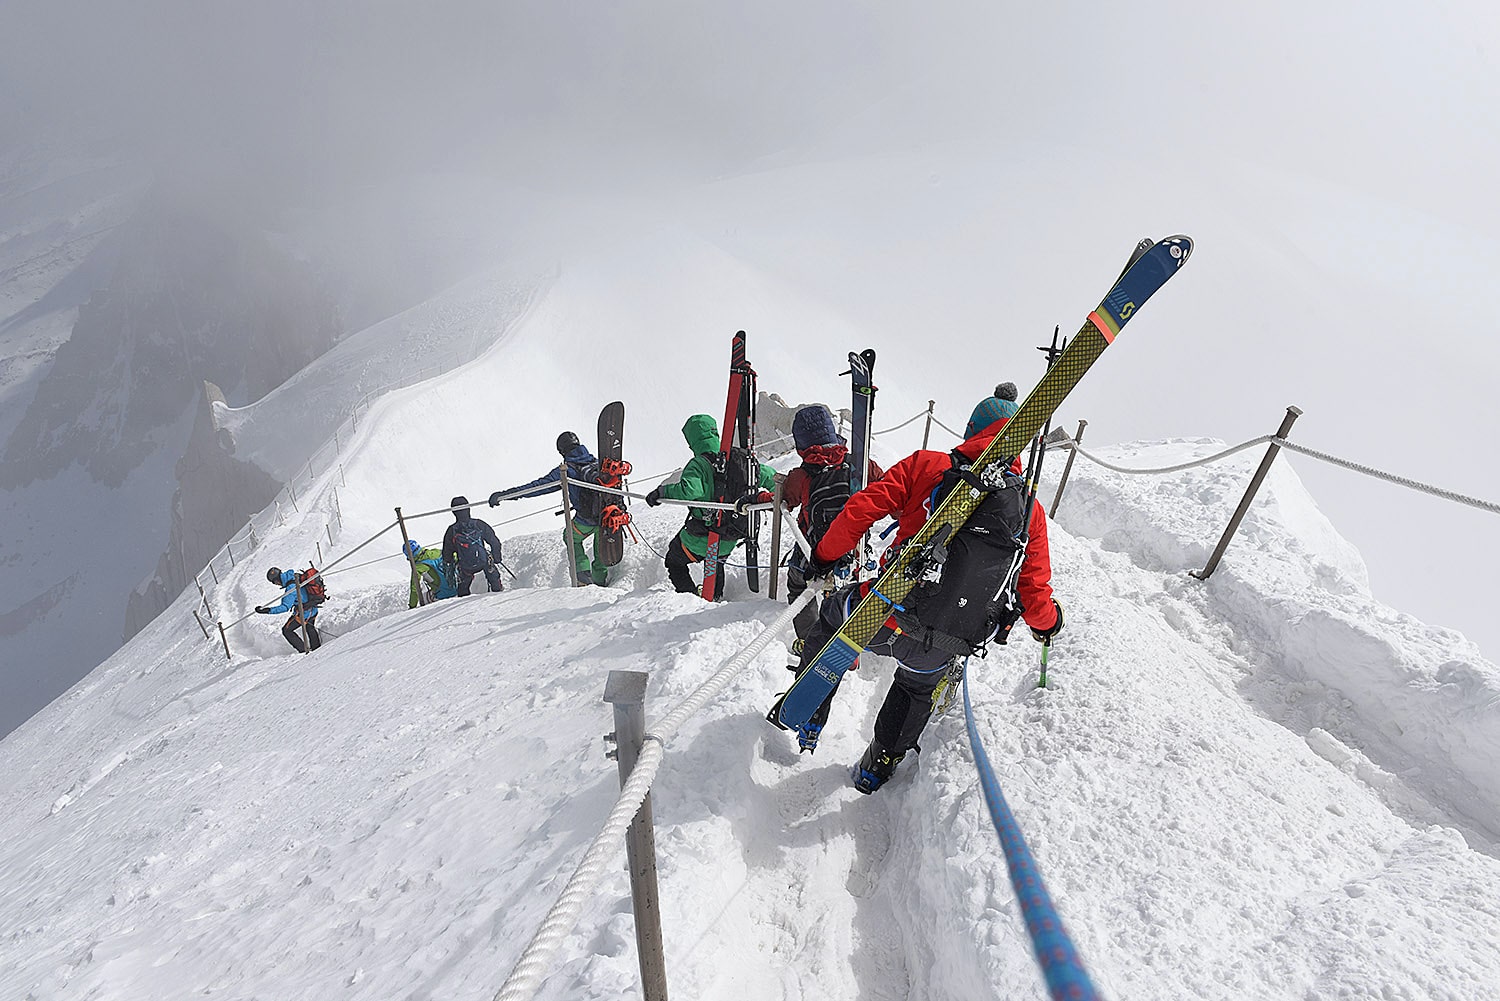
1046	646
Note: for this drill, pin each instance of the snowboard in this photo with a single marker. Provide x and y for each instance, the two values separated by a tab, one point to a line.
1141	279
610	454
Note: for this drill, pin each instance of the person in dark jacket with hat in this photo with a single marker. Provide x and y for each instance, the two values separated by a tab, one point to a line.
817	490
464	549
586	505
906	492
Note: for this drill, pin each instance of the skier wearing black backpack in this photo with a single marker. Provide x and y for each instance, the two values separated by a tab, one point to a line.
464	552
817	490
587	505
959	612
738	478
301	601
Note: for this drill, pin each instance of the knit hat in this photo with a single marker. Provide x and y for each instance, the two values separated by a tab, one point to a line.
990	410
1006	391
813	425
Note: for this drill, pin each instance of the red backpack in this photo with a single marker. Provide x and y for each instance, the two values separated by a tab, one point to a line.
312	581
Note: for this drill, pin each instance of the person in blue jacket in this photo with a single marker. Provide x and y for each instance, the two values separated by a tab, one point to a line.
587	505
294	594
431	575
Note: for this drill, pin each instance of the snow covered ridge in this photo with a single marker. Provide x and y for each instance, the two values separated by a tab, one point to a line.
391	816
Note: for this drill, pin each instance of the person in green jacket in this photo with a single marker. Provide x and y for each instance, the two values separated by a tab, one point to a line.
744	480
430	575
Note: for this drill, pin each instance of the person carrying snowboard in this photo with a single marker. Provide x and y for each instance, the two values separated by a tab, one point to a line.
296	594
954	615
817	490
431	575
464	552
587	505
742	481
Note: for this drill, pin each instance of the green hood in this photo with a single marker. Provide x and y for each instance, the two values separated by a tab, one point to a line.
702	434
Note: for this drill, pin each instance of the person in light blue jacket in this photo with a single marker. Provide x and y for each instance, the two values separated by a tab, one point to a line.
290	600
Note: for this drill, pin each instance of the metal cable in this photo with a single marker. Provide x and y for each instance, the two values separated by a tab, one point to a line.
1312	453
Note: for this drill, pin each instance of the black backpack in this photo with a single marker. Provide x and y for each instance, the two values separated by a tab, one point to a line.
469	543
976	561
590	502
734	475
828	490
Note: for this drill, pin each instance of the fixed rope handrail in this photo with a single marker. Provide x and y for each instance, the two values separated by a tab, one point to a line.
526	976
1066	978
1312	453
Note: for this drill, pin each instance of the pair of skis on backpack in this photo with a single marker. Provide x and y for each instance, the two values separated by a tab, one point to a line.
1150	266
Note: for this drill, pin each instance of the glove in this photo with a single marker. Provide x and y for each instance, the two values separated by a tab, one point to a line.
742	506
817	568
495	499
262	610
653	499
1046	635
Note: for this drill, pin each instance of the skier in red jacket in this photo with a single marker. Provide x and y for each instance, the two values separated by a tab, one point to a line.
907	492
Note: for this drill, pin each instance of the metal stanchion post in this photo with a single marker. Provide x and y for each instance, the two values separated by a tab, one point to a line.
1067	469
626	691
1292	413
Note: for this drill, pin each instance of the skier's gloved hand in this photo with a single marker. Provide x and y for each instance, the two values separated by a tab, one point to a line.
262	610
1045	635
742	506
820	568
653	499
495	499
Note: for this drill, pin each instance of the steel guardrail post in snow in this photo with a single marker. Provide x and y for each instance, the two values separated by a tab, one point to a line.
567	513
626	691
1067	469
410	559
776	538
1292	413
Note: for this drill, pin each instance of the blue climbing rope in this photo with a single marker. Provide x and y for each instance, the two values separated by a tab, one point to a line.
1066	978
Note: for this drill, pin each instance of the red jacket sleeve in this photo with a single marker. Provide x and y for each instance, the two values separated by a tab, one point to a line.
1034	586
794	489
885	497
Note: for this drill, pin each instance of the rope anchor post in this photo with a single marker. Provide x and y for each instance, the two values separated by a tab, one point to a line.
1067	469
1292	413
626	691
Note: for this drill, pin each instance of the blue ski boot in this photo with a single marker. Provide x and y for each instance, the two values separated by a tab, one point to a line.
874	767
807	736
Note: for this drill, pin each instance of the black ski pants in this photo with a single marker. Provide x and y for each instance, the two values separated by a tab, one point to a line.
491	577
908	702
679	558
293	632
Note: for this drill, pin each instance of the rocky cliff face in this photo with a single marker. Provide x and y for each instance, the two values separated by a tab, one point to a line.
86	476
190	299
216	494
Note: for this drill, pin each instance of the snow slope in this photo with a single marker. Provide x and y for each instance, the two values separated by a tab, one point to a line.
1266	786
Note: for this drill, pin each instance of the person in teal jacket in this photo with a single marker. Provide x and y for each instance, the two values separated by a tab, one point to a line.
745	478
430	575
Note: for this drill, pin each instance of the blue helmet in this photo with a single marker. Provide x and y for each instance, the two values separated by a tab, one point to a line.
412	548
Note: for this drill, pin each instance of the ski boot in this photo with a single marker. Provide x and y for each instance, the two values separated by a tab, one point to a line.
807	736
874	767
